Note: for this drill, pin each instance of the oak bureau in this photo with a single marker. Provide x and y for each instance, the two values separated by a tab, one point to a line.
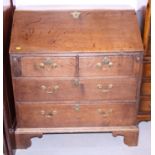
76	71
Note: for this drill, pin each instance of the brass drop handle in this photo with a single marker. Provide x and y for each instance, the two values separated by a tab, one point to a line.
54	65
48	64
48	114
42	65
104	88
105	61
104	113
50	90
76	14
99	65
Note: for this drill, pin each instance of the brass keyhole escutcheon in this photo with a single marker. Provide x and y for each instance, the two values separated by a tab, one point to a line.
105	62
77	107
76	82
76	14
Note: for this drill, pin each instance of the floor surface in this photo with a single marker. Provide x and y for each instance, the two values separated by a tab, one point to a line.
89	144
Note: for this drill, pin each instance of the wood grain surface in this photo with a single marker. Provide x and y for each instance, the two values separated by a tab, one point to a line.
70	115
76	69
58	31
30	89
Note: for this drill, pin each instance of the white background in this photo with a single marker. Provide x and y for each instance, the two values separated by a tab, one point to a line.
136	4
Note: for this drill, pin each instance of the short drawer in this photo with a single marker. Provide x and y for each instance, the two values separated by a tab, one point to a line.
47	89
43	66
75	115
109	65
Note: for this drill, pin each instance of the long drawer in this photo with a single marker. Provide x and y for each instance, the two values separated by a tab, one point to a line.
75	114
47	89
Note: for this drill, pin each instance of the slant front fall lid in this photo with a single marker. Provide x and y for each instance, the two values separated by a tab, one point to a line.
75	31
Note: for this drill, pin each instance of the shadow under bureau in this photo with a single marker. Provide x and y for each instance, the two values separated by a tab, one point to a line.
76	71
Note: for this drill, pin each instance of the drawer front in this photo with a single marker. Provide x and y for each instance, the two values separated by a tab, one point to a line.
75	115
147	70
109	88
44	66
146	88
109	65
34	89
145	104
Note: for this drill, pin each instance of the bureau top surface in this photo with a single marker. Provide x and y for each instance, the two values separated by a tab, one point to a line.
75	31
